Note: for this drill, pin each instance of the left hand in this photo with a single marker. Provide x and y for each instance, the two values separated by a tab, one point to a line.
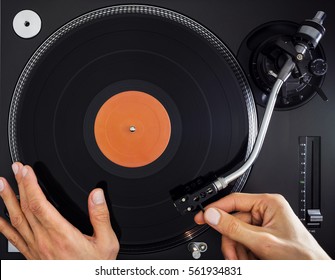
39	231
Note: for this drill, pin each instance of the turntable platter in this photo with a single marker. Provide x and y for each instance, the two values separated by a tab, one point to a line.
199	96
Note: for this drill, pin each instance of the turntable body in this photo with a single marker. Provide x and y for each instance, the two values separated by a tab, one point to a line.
188	57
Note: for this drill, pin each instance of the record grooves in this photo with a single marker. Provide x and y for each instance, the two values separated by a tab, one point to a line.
91	59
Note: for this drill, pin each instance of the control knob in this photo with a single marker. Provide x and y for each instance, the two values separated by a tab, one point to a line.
318	67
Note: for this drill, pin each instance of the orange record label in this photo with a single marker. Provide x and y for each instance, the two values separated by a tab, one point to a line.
132	129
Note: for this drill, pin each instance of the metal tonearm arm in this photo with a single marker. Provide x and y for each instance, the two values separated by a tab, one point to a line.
308	36
190	202
222	182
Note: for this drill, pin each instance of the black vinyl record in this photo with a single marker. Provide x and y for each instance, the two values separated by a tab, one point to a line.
117	49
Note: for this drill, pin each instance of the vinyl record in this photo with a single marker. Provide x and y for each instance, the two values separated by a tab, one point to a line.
136	100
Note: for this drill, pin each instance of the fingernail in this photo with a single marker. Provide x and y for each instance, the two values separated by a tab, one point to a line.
15	168
24	171
212	216
2	185
98	197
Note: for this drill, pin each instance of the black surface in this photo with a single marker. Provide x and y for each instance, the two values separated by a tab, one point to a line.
276	170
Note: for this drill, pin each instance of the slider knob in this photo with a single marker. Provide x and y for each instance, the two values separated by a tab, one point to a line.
314	217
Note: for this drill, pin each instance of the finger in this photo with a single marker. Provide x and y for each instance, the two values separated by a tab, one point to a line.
233	202
243	202
27	181
232	227
40	211
17	167
99	217
242	252
17	218
199	218
243	216
228	248
14	237
252	256
17	170
103	232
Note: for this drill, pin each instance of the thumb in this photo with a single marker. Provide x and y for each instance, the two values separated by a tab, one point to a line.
232	227
99	217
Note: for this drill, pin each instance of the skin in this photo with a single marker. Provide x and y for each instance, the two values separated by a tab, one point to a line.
263	226
39	231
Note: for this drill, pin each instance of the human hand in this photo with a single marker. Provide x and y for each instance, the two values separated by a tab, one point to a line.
263	226
39	231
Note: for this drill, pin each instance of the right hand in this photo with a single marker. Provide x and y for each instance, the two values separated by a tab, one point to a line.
264	226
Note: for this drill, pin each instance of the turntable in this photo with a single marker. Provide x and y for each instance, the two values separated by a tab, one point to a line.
165	106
